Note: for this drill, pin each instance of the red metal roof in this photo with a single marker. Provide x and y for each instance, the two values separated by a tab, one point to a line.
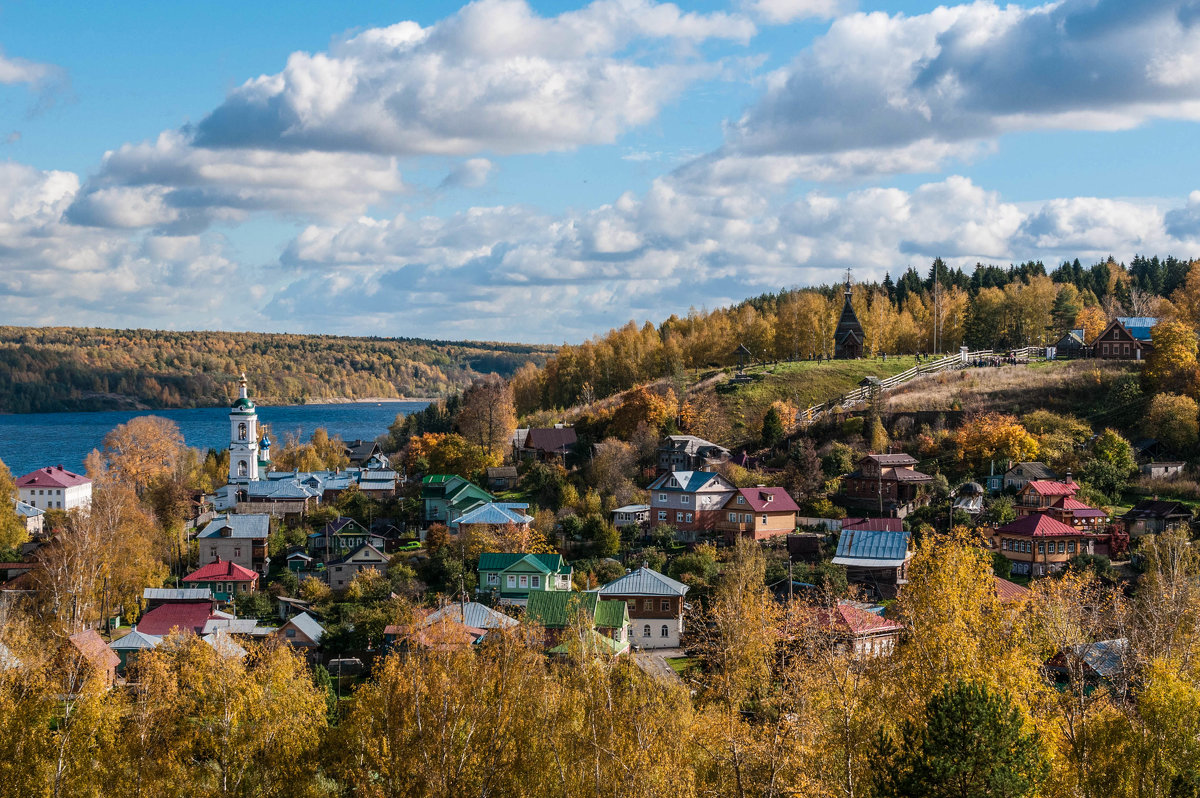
1039	525
845	617
93	648
185	616
221	570
52	477
873	524
1008	591
764	500
1046	487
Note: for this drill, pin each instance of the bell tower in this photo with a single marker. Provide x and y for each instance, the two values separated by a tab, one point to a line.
243	437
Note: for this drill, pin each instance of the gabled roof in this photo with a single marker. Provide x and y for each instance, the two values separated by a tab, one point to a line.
1033	470
873	524
52	477
1156	509
1139	327
769	500
633	508
184	616
643	582
308	626
1104	657
690	444
556	440
1038	525
221	570
28	510
135	641
373	555
240	525
553	609
1078	509
898	459
493	514
224	644
1044	487
502	472
472	614
872	548
501	561
343	525
93	649
690	481
1009	592
176	594
846	618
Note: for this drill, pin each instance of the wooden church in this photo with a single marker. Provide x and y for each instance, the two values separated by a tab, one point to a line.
848	338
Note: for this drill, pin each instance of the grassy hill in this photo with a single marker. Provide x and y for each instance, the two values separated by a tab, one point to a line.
52	369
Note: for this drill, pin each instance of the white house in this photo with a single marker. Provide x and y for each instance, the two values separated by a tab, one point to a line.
55	488
655	604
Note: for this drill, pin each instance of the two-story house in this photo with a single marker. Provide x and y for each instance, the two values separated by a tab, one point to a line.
548	444
689	453
1039	544
224	579
605	624
690	501
655	604
875	558
758	513
1125	338
239	538
1057	499
340	537
448	496
55	488
887	483
1018	475
514	577
340	573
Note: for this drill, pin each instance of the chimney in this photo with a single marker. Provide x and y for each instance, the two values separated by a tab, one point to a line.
1070	479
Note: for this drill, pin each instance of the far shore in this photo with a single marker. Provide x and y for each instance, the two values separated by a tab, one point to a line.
341	400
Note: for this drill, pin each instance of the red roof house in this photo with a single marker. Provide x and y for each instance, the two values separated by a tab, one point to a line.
1039	544
866	633
758	513
55	488
52	477
90	650
224	579
179	616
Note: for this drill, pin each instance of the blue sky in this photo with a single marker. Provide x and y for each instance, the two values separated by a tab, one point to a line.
542	171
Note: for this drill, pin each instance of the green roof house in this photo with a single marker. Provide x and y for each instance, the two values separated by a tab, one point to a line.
513	578
448	496
605	623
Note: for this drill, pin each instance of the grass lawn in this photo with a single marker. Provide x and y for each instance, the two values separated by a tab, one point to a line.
681	665
1020	579
808	382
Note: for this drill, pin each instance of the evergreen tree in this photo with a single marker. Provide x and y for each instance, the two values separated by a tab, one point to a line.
973	744
772	429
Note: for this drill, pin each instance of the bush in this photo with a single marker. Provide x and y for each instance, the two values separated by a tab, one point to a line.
1001	565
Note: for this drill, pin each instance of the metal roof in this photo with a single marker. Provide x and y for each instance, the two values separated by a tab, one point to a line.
1139	327
644	582
306	624
872	548
176	593
247	525
492	513
688	481
472	614
28	510
135	640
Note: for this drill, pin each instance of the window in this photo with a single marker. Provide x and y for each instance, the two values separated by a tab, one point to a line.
665	605
1062	546
741	499
242	431
685	499
1126	350
291	633
733	518
662	515
647	604
688	517
764	519
662	498
241	468
665	631
237	552
632	604
678	516
1104	348
646	630
524	581
1071	547
535	581
1041	547
493	579
512	581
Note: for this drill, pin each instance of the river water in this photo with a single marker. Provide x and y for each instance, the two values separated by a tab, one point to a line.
32	440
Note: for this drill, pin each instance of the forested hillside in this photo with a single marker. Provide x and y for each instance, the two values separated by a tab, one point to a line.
69	368
990	307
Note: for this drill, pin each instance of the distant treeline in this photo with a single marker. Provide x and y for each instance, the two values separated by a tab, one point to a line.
54	369
990	307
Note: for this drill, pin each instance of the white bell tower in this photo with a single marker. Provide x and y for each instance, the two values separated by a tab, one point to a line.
243	438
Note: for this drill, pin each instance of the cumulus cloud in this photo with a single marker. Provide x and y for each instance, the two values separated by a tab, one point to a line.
471	173
677	246
928	83
493	77
18	70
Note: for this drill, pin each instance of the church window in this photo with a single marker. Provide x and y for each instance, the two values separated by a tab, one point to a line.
242	468
242	431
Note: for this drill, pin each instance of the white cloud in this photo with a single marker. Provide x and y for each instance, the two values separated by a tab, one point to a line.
934	83
493	77
18	70
471	173
779	12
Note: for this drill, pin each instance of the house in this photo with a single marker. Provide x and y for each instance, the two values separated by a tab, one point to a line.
1039	544
1019	475
1071	344
689	453
1162	470
154	597
32	517
1010	592
1057	499
340	537
494	514
1125	338
605	623
514	577
1151	516
239	538
502	478
456	625
55	488
183	616
758	513
655	603
848	337
876	559
1090	662
853	629
549	444
129	647
631	515
340	573
690	501
359	452
225	579
301	631
447	496
87	654
298	561
888	482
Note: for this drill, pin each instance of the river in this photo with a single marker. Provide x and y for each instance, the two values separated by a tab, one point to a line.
32	440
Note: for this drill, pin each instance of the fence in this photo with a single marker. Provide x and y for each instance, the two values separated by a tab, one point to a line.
861	394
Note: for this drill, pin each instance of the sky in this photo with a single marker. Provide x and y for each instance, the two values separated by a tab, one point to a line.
542	171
